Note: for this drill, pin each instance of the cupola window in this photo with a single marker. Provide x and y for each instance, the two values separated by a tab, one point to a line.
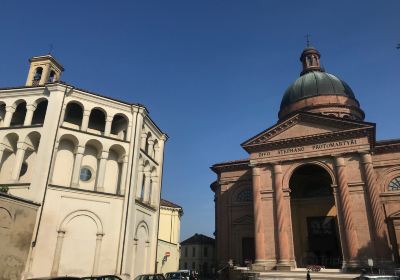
394	185
52	77
37	76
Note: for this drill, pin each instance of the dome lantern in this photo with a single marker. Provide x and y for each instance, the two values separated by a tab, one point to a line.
310	60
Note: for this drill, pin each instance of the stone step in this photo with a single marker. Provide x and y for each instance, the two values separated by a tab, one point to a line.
303	274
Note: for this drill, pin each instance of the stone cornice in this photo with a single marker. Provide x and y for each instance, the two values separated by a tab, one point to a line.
230	166
387	146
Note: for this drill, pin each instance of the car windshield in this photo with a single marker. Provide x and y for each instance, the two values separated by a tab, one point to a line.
173	275
149	277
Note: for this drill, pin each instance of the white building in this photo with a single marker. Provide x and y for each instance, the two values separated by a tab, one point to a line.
93	163
168	251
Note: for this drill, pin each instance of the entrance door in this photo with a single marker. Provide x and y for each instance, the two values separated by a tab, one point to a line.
315	231
248	252
323	246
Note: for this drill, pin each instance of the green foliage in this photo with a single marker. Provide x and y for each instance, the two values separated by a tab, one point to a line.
4	189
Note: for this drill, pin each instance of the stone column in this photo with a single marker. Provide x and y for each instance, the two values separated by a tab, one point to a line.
124	171
107	129
377	212
30	109
146	256
143	140
8	117
350	249
150	151
147	187
282	220
139	181
153	186
128	131
97	254
64	108
258	217
57	253
19	159
45	74
53	162
85	120
77	166
101	172
2	148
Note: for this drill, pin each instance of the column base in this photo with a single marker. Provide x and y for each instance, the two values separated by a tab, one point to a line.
285	265
351	265
263	265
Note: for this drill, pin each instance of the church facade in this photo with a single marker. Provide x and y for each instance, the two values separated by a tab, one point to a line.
317	187
92	167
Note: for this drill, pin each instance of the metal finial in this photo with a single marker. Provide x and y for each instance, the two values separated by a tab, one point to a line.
308	40
50	48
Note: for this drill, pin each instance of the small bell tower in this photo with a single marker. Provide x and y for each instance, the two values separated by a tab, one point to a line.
43	69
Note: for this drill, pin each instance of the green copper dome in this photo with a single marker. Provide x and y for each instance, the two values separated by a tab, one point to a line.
315	83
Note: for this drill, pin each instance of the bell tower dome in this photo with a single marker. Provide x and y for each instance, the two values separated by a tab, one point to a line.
43	69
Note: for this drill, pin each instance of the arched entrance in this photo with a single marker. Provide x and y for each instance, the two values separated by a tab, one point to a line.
314	218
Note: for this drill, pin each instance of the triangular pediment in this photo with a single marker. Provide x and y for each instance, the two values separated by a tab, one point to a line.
306	126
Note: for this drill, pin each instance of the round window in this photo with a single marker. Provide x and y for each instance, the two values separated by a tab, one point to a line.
86	174
24	168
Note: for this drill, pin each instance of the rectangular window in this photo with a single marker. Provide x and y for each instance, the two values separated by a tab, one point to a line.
205	252
186	251
194	252
193	266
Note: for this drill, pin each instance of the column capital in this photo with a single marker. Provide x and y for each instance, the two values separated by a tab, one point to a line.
277	167
86	112
80	150
21	146
255	169
366	157
31	107
10	109
61	232
104	155
124	159
339	160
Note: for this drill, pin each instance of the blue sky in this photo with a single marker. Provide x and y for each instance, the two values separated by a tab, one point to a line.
211	72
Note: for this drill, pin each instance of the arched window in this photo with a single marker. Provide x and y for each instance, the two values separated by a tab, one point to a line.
97	120
19	115
40	113
38	74
394	185
119	126
146	147
244	196
2	113
52	77
73	114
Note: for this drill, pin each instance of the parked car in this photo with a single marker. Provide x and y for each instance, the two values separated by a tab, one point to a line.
102	277
56	278
377	277
178	275
150	277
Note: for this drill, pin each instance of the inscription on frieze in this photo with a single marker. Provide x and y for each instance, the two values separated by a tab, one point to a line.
315	147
